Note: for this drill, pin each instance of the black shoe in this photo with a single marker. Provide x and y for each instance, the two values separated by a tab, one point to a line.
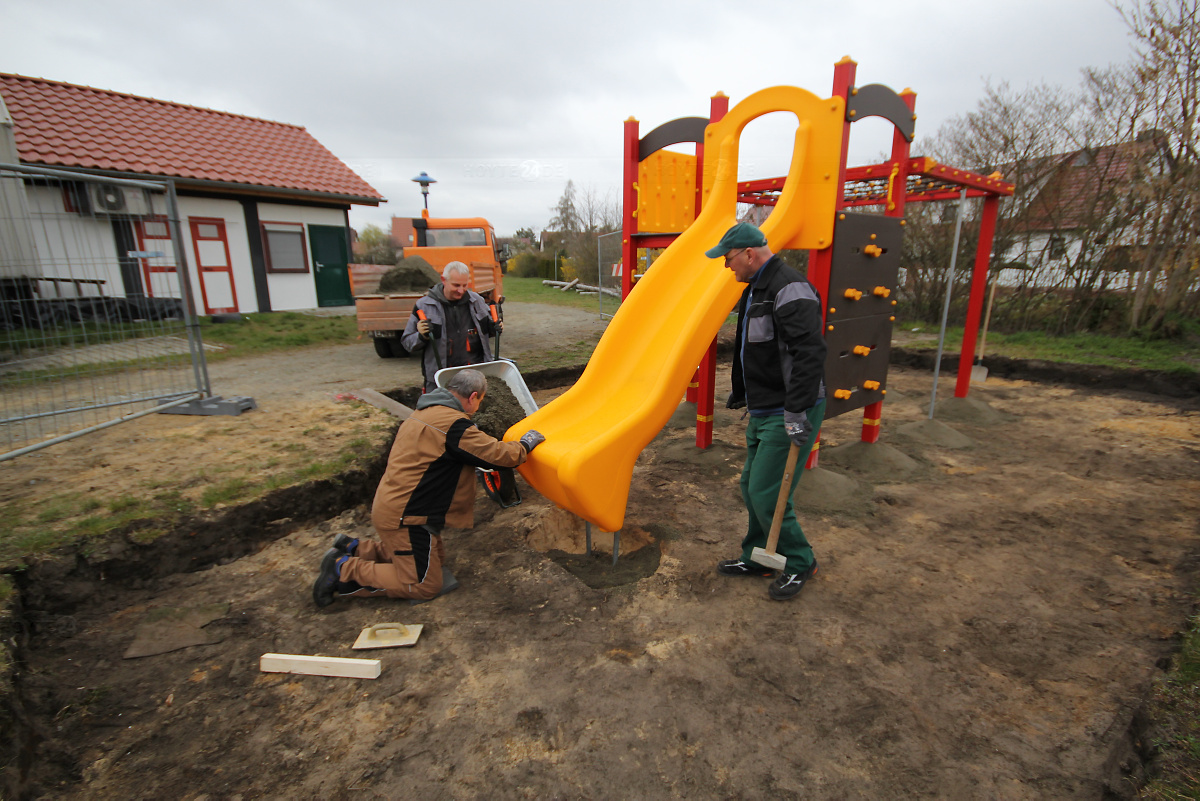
788	585
736	567
327	579
351	587
345	543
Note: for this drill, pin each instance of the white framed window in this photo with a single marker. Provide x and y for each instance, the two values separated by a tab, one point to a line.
284	247
1058	248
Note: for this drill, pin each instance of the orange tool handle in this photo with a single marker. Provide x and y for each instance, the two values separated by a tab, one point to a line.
495	318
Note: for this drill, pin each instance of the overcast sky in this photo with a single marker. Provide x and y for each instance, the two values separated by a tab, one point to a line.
502	103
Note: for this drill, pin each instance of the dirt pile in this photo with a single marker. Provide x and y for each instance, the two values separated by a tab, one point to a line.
411	274
500	409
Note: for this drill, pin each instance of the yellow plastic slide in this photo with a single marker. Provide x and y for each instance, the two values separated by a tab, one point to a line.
641	368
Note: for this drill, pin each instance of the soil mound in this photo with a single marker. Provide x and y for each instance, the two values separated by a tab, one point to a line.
972	411
411	274
563	537
500	409
822	490
935	432
874	460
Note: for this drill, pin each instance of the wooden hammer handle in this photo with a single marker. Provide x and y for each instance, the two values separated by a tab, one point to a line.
785	486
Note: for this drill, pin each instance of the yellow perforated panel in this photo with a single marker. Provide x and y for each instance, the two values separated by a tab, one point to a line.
666	192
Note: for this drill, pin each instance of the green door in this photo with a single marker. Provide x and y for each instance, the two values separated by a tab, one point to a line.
330	255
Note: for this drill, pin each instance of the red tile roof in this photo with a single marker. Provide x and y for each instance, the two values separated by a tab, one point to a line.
1081	187
63	125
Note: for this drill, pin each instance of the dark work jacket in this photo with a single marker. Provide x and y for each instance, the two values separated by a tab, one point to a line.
781	363
436	308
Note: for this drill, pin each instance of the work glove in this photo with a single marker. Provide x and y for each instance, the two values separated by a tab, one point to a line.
735	403
531	439
797	426
499	326
423	328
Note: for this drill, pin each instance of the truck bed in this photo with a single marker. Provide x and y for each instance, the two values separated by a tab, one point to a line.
384	312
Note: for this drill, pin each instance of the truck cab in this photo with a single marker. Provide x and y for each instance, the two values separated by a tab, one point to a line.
471	240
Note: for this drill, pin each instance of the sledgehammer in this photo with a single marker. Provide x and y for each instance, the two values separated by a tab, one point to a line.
767	556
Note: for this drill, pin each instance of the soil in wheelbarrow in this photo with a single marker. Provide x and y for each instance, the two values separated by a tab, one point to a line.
500	409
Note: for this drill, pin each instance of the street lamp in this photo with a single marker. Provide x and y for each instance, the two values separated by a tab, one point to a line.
424	180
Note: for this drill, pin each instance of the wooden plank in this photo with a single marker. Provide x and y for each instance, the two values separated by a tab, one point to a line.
321	666
381	401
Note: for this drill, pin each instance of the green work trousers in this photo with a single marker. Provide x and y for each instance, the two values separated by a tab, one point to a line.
767	446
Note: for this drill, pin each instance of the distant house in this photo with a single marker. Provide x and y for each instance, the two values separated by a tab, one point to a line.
263	205
1078	211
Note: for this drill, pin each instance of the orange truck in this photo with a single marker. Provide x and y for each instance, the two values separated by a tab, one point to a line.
439	241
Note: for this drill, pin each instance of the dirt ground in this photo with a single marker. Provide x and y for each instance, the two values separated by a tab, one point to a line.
998	588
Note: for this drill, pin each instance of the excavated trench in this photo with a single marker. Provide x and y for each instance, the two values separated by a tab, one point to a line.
50	587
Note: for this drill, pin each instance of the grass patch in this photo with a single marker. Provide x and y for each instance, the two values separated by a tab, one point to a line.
561	354
1175	708
227	491
60	508
266	332
22	340
159	504
258	333
1101	350
531	290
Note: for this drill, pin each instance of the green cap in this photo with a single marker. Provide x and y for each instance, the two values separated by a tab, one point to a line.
742	235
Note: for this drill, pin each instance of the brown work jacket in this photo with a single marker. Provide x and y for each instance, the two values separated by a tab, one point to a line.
430	476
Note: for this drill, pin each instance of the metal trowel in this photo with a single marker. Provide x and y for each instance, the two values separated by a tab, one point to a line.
387	635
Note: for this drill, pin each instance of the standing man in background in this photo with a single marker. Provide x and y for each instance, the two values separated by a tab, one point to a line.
450	325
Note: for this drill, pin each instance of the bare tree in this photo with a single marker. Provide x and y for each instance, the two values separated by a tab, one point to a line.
566	218
1105	195
580	216
1164	92
375	246
1016	133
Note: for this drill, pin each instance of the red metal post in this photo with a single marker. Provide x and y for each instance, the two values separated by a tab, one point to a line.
820	261
897	198
706	376
987	233
629	201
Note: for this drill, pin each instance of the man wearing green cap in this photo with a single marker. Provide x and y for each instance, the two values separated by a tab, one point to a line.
779	376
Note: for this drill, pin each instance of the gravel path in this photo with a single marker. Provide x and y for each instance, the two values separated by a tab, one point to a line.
318	373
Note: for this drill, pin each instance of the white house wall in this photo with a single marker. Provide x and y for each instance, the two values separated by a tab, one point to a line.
290	291
72	247
229	211
77	246
1049	273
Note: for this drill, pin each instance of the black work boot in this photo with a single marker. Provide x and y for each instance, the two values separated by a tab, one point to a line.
736	567
345	543
788	585
327	580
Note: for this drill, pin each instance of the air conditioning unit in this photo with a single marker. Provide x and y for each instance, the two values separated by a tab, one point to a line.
112	200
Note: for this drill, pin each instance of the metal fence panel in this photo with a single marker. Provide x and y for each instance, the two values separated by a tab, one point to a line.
608	269
96	321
